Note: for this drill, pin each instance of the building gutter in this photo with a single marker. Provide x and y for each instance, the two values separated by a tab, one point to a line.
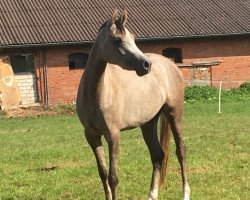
193	37
42	45
145	39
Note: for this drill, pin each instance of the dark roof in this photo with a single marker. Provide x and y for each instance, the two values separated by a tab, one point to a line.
44	22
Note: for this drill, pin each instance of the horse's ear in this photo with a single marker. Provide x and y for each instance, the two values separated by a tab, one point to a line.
118	22
124	17
115	15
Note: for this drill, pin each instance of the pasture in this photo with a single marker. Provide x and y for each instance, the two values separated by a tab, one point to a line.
48	158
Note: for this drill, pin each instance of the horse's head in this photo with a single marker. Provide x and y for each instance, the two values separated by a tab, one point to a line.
118	45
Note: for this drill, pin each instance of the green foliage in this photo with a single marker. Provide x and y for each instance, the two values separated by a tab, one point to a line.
246	86
200	93
207	93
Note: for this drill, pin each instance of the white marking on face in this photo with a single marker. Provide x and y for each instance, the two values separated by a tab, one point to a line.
129	44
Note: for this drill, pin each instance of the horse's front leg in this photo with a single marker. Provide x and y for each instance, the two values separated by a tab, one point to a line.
149	131
95	142
113	140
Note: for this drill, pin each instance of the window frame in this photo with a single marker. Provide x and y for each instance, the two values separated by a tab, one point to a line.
173	53
77	60
30	69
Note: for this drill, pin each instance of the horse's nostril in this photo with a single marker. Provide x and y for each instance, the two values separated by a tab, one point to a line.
146	65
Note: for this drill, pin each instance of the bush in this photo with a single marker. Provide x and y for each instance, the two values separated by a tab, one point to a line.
200	93
207	93
243	92
245	86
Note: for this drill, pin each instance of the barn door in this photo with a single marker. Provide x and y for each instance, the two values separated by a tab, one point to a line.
24	70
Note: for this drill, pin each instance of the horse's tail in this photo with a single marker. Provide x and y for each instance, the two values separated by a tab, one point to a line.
165	137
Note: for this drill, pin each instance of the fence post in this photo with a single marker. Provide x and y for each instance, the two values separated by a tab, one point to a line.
220	98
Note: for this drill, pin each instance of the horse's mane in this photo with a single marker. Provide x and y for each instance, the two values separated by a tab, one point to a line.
102	26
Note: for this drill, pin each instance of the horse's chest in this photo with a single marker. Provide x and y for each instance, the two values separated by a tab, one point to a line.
92	117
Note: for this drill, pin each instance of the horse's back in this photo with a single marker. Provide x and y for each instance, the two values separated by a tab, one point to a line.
170	74
168	66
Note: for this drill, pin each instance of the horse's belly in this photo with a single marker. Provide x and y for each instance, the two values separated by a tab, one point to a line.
136	114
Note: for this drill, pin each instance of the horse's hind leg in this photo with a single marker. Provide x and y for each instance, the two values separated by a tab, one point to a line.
149	131
174	116
95	142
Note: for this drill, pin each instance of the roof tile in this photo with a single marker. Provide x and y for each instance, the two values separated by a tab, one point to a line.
27	22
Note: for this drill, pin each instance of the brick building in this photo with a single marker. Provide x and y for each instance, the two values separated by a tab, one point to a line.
48	44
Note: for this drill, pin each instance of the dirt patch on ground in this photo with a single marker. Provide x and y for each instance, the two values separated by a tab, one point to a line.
192	170
29	112
52	167
36	111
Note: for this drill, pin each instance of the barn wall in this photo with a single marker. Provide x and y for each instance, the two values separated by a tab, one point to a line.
63	82
234	53
27	88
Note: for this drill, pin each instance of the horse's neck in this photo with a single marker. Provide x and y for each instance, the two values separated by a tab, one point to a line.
94	70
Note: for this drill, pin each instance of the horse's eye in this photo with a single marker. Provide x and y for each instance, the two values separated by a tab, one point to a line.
118	41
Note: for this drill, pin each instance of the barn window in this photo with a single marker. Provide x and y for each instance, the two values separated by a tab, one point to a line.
22	63
78	60
173	53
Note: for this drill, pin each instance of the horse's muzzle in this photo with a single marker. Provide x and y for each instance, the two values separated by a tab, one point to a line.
144	69
147	65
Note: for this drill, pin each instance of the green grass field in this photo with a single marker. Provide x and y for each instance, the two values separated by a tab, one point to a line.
48	158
